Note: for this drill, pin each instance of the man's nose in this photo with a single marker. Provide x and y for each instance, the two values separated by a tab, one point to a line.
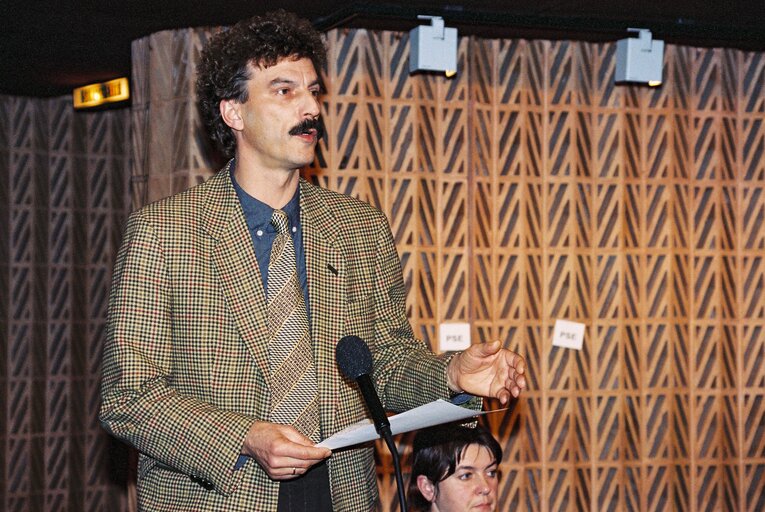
310	105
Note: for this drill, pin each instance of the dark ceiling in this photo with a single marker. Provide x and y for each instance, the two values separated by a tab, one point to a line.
50	47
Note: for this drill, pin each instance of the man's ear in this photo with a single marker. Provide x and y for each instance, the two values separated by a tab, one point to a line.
427	488
231	114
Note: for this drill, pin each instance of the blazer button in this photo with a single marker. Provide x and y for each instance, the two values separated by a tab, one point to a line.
204	483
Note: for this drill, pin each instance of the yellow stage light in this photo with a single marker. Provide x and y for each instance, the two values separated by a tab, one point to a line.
94	95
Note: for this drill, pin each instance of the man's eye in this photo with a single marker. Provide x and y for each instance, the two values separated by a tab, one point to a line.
283	91
492	473
466	476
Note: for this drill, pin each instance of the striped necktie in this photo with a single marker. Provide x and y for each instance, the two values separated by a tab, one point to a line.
294	392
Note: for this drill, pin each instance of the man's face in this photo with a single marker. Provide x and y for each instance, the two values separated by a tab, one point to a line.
276	128
472	486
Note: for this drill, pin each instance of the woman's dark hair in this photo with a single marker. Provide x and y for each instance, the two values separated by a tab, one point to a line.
436	453
222	73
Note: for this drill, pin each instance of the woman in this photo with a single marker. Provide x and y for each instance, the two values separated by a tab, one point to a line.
454	469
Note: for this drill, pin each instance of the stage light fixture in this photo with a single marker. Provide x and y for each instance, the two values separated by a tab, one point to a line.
433	47
96	95
639	59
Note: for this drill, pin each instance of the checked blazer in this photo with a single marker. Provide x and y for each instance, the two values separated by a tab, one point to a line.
185	370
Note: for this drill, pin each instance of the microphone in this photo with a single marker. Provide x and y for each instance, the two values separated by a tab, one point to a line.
355	362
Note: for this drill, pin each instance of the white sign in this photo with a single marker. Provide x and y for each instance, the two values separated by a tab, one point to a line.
453	337
568	334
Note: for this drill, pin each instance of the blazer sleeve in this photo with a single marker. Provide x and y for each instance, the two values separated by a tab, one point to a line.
407	373
139	403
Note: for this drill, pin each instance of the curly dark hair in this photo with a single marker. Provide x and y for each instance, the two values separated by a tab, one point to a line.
262	40
436	453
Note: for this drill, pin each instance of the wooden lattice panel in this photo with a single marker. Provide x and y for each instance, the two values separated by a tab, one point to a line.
543	191
64	201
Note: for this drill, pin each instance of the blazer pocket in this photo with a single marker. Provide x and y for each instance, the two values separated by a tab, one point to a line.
360	317
145	465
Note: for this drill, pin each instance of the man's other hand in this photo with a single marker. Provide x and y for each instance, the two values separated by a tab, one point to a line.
488	370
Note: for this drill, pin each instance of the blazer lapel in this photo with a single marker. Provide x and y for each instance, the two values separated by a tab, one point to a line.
325	267
234	261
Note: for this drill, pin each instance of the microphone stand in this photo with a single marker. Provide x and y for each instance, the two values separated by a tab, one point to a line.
384	431
355	362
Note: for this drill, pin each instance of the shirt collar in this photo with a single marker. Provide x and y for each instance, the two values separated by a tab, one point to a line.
260	213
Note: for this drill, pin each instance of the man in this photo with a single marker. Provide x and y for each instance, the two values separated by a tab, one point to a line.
199	367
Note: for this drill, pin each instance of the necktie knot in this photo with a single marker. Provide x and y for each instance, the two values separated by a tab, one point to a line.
280	221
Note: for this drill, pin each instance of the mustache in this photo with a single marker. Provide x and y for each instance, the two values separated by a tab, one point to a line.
307	125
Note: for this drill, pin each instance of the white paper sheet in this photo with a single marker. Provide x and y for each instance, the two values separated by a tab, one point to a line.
428	415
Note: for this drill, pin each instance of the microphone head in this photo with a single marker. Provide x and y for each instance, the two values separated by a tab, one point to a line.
353	357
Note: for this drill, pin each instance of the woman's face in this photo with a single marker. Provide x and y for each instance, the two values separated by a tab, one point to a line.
472	486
